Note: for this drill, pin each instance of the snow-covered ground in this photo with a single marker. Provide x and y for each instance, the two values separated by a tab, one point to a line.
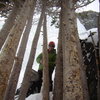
38	96
1	22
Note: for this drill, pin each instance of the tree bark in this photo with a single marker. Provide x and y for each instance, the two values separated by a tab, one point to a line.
10	91
58	81
8	25
7	54
98	71
25	83
82	67
72	83
45	92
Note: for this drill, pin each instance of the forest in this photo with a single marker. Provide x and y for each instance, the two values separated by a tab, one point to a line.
77	65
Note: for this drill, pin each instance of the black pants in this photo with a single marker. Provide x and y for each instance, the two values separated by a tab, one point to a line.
40	72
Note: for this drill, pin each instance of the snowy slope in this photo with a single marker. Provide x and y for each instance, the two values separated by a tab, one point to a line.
1	22
83	33
38	96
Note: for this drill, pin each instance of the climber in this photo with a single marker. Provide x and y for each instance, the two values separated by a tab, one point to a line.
51	64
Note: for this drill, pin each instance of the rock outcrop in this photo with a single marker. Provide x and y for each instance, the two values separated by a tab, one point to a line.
89	19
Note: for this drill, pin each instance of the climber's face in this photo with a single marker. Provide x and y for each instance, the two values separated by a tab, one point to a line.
51	47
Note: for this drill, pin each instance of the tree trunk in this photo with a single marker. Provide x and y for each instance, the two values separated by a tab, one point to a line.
58	81
10	91
8	51
72	83
8	25
25	83
82	67
45	92
98	87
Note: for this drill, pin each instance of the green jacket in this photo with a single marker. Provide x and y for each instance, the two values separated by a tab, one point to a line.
51	58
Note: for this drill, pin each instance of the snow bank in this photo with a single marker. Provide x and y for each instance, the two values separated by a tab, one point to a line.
2	21
83	34
38	96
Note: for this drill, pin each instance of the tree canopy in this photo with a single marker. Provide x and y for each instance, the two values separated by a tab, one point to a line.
6	5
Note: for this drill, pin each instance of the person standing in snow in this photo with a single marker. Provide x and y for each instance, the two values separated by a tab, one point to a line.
51	64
